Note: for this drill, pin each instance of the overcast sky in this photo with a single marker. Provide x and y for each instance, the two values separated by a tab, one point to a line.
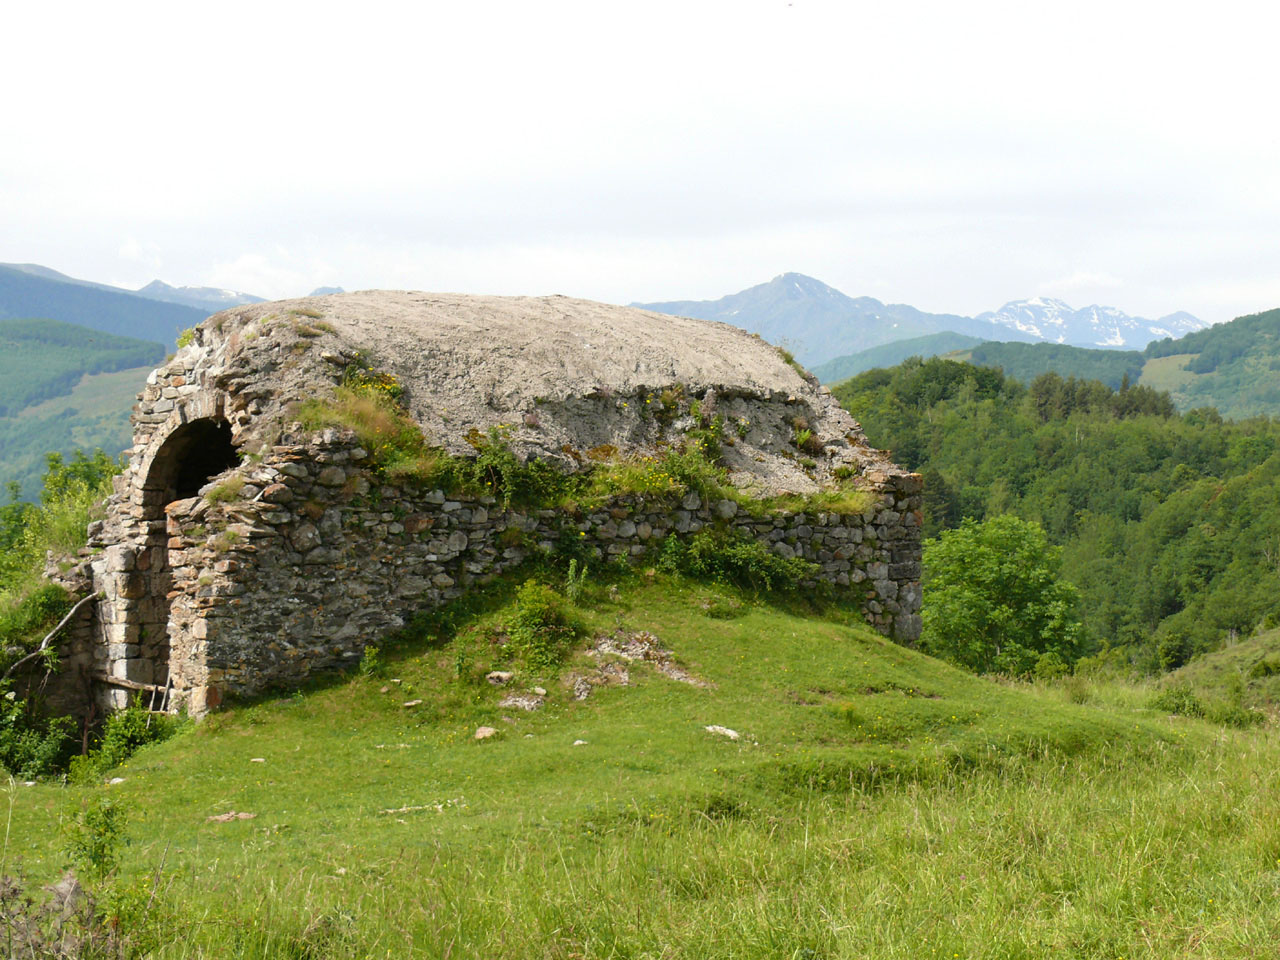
949	155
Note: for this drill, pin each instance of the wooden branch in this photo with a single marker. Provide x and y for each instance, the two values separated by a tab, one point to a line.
52	633
128	684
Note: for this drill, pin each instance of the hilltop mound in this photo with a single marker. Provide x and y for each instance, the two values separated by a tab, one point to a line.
564	377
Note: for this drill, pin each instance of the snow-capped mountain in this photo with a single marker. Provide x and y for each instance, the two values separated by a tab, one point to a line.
1045	318
211	299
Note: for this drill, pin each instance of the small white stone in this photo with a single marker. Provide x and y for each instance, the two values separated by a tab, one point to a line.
412	703
723	731
258	760
579	743
484	733
114	780
540	691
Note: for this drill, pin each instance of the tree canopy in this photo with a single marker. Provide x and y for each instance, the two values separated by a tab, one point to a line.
995	601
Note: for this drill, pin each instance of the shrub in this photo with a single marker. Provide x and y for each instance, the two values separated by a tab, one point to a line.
576	581
127	730
541	629
1050	666
31	746
123	734
742	561
371	663
1179	699
95	835
1267	667
993	600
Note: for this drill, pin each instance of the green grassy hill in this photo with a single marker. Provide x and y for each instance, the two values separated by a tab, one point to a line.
889	354
876	803
64	387
1232	366
41	359
1248	669
95	414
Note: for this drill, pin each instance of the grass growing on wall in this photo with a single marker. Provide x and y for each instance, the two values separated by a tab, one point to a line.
369	404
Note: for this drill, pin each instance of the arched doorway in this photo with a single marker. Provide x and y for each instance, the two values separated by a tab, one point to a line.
191	456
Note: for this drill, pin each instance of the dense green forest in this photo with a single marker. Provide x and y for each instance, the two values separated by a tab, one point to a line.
1170	524
1026	361
40	359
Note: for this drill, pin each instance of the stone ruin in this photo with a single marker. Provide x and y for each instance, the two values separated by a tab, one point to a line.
241	552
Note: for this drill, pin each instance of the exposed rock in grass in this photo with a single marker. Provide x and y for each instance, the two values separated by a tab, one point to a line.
484	733
723	732
644	646
229	816
523	701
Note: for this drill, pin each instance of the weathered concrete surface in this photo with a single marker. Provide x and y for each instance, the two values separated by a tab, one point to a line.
305	555
563	375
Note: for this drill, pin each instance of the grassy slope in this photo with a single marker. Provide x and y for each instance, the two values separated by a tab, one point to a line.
880	804
889	354
95	414
1222	670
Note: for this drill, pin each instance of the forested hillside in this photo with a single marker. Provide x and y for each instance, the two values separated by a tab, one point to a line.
40	359
1026	361
1170	523
1233	366
888	354
64	387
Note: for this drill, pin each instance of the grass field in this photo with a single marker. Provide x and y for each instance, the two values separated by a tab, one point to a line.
1167	373
95	393
878	803
1249	669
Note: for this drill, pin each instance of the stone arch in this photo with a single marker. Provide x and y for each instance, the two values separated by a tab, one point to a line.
188	458
182	461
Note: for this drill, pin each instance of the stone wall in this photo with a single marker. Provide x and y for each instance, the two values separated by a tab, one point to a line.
295	559
316	559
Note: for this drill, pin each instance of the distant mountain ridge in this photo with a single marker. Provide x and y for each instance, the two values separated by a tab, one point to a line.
1045	318
814	321
28	291
210	299
819	324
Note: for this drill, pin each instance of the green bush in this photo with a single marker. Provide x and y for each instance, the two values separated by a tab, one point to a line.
124	732
94	836
1179	699
1267	667
541	629
1050	666
31	746
993	599
742	561
371	662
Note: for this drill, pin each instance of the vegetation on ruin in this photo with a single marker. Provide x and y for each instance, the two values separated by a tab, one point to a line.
369	402
877	803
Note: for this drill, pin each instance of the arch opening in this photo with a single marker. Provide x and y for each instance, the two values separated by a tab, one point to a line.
189	458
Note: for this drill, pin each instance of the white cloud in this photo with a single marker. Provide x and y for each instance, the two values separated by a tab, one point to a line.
947	155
